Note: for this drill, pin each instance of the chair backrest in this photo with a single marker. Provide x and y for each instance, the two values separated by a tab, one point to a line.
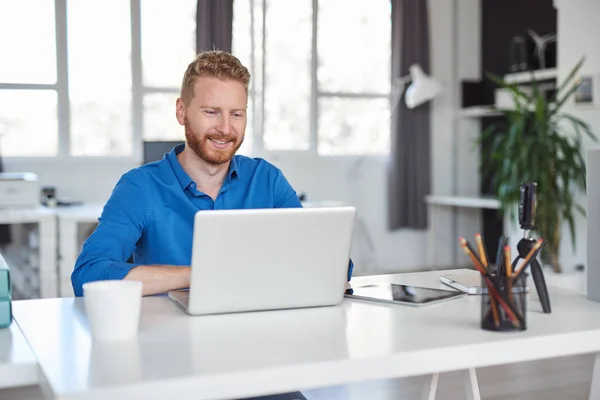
155	150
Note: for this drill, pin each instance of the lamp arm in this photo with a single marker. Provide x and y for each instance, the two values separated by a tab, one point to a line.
398	86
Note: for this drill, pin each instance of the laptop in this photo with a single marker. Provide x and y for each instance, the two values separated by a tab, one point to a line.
268	259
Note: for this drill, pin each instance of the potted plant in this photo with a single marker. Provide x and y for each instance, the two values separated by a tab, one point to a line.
536	141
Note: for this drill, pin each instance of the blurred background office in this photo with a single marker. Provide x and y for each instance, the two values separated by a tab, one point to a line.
88	90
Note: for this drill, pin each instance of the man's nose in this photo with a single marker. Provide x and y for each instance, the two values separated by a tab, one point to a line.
224	124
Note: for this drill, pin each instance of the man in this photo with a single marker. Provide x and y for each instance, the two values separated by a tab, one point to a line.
150	212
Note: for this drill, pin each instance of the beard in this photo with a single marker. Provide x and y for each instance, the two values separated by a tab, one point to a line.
207	152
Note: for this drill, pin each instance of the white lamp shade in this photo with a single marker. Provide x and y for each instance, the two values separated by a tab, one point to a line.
422	89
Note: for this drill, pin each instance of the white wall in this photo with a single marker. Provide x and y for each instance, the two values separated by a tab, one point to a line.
578	36
361	182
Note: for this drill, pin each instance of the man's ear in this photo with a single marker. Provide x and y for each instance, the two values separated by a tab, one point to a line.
180	111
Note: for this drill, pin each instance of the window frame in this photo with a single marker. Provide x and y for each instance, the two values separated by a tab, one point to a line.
316	94
139	90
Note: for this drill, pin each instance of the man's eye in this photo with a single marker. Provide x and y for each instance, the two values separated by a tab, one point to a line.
210	112
238	115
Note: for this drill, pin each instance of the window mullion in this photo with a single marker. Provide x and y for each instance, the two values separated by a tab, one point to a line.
137	96
62	78
314	89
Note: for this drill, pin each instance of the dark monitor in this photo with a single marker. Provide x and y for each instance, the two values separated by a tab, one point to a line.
155	151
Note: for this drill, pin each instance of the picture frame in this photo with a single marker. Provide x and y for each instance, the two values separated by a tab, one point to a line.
586	93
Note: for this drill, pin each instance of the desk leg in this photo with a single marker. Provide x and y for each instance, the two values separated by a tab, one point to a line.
595	388
471	384
430	388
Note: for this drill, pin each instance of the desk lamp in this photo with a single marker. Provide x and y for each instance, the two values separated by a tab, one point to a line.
422	88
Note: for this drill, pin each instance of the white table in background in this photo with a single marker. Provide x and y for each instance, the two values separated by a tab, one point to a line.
249	354
46	220
438	201
18	366
69	247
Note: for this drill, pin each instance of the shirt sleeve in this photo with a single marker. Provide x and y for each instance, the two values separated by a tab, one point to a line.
105	253
286	197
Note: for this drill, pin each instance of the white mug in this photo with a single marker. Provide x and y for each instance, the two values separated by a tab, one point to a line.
113	308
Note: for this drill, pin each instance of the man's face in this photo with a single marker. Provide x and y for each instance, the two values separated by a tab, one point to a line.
215	119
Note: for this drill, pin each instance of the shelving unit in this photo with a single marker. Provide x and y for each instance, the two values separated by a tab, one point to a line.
477	112
529	76
460	201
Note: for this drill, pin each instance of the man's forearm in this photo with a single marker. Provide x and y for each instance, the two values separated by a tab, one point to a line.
160	278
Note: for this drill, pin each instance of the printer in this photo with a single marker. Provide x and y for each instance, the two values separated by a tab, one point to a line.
19	189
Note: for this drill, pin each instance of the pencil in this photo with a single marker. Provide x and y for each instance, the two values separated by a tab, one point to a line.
532	254
508	266
508	274
494	307
514	317
481	249
491	288
469	251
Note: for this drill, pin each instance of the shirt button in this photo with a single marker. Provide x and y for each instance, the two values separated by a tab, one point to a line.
193	185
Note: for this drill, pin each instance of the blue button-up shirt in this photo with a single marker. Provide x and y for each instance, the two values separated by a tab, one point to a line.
150	214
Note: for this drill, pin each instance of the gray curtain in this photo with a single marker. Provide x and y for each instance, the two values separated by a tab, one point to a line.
409	168
213	25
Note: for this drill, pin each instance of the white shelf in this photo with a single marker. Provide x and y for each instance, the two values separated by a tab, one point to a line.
477	111
467	202
528	76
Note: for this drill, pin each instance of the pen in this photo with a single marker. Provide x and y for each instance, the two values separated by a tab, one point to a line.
500	256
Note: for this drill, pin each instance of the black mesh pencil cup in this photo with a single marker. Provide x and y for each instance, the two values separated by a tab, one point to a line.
503	303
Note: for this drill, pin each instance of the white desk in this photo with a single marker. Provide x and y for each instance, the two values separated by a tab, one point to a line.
233	356
18	366
69	245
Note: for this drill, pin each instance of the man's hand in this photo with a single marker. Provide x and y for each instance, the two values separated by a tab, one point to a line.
160	278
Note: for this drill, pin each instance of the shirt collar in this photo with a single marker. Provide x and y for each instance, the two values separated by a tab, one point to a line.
184	179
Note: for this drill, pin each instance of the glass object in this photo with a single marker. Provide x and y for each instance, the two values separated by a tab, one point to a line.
100	77
28	44
351	126
287	74
28	123
343	65
168	40
504	307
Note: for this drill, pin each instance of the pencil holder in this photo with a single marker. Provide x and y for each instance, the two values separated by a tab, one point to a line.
503	303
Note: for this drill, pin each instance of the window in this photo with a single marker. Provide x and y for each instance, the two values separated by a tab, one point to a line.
73	84
99	77
320	82
28	90
168	41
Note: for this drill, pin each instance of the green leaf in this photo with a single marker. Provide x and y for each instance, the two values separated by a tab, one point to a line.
569	78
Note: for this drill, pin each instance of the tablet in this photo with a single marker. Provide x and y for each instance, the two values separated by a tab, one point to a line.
402	294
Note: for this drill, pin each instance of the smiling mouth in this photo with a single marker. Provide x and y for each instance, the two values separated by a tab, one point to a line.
220	144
